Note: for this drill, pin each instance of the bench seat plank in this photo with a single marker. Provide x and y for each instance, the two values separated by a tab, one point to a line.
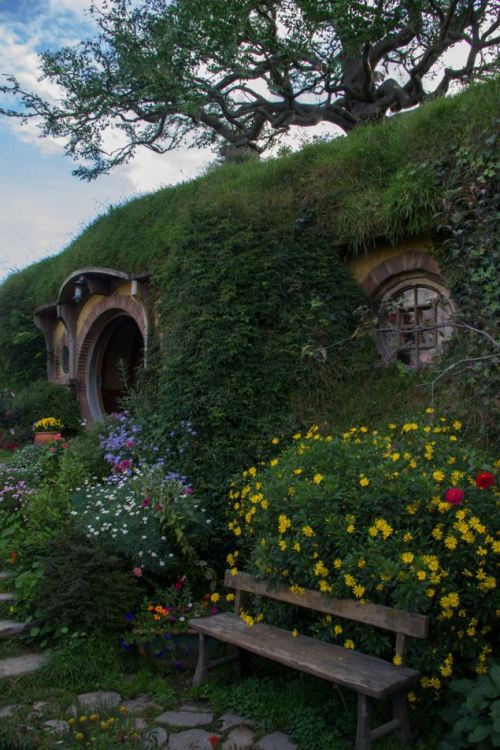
368	675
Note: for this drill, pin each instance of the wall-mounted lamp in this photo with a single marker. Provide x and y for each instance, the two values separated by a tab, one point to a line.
80	286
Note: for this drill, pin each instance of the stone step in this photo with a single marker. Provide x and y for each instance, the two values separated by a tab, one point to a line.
6	597
11	629
4	574
17	666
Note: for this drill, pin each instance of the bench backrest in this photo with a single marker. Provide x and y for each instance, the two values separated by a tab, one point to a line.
388	618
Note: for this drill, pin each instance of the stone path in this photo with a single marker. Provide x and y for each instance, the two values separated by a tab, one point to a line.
191	727
16	666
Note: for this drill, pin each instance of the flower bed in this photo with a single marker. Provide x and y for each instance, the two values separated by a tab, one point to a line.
404	518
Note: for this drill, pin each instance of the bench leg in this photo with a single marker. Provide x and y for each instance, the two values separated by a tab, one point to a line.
400	713
238	663
201	673
363	741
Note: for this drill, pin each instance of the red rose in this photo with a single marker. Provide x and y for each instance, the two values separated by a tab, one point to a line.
454	496
485	480
214	740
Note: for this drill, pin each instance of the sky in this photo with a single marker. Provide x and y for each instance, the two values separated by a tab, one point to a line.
42	205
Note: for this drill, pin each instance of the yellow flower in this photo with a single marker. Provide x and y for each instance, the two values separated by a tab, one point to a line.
337	563
364	482
407	557
318	478
282	545
298	471
350	529
421	575
397	660
450	542
429	410
79	736
214	597
275	441
358	591
338	629
296	547
320	569
349	644
124	709
229	597
438	476
284	523
307	531
295	633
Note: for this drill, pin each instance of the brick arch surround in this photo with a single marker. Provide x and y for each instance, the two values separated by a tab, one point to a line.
103	313
407	263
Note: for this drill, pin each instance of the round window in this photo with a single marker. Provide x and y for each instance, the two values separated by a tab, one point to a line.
413	320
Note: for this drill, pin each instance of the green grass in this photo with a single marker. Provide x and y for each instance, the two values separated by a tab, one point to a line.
315	714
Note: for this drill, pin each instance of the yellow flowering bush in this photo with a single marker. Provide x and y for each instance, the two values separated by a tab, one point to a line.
406	517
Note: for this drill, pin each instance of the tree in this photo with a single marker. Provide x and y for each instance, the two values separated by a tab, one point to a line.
166	73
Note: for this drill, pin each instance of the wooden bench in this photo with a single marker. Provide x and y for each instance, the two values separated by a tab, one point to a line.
369	676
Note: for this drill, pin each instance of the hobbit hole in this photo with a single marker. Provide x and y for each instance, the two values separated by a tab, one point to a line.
95	334
96	331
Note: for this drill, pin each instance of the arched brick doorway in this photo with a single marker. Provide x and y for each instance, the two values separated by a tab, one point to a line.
113	364
110	351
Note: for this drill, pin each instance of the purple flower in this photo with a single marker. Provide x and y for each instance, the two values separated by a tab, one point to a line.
124	645
130	617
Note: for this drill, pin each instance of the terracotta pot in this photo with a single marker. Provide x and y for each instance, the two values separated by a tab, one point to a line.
41	438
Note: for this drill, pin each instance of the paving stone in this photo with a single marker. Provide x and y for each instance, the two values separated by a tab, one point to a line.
230	720
195	739
140	725
16	666
7	711
99	699
11	629
6	597
193	707
4	574
140	704
38	708
156	739
241	738
56	726
185	718
276	741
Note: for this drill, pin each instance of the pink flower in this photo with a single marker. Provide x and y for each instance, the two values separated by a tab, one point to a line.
214	610
58	436
137	572
159	507
146	502
188	491
180	584
454	496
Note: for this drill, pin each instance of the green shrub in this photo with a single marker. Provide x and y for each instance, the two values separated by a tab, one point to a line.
475	714
83	461
392	517
84	588
42	399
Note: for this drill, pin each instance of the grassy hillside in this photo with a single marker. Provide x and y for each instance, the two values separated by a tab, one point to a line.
247	265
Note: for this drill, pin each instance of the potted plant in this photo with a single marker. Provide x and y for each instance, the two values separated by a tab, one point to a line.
47	430
160	628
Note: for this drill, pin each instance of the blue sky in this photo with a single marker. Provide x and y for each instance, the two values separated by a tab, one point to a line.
42	206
